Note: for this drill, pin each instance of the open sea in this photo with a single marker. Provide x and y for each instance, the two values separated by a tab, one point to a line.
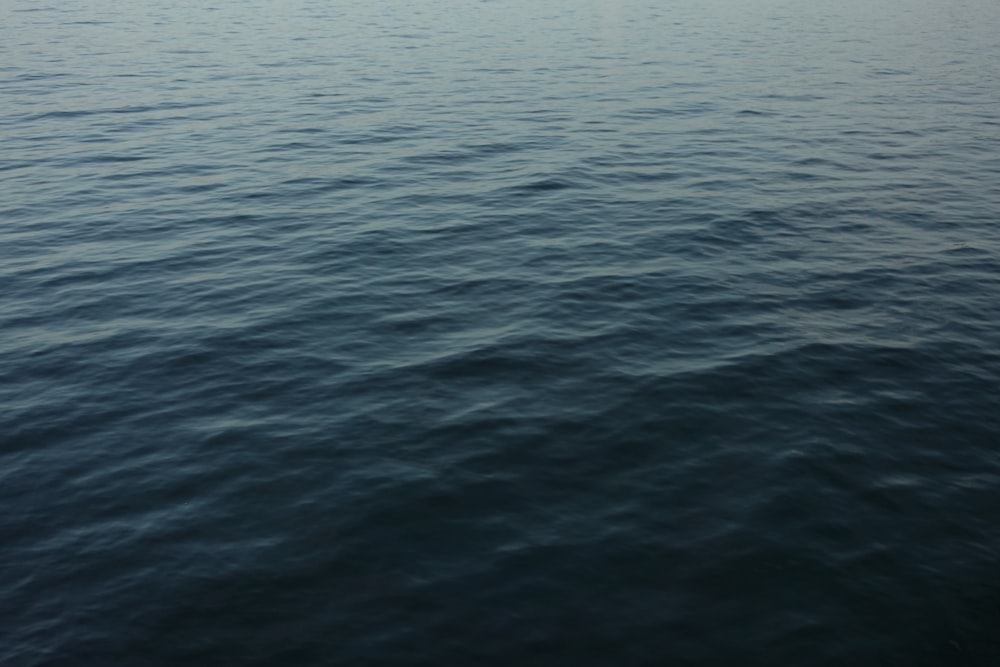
500	333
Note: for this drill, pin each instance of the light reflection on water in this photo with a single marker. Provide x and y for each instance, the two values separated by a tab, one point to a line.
384	333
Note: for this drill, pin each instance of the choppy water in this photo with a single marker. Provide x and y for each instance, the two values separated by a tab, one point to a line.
609	332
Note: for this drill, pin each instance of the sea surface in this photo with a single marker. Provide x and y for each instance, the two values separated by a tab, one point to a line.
503	333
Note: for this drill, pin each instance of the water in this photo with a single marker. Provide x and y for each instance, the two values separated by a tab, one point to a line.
611	332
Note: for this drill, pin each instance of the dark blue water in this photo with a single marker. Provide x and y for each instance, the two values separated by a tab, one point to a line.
606	332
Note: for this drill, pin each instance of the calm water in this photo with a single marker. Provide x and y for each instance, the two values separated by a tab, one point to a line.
595	332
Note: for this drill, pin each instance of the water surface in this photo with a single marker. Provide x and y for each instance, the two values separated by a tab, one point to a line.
611	332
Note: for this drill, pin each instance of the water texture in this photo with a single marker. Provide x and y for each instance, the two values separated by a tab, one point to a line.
606	332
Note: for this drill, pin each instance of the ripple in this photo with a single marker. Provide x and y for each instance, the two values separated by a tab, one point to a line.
434	336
